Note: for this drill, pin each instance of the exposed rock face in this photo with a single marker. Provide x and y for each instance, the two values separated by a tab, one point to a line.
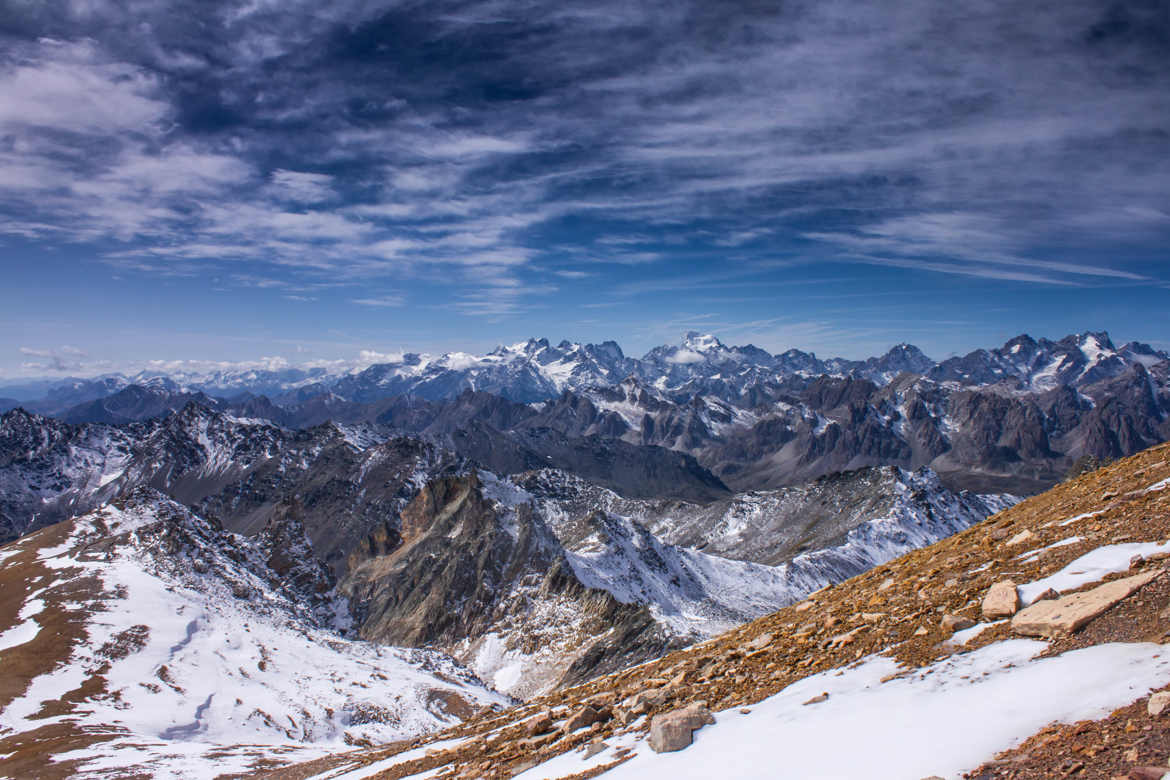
524	587
493	587
1002	600
239	472
773	527
1051	618
675	730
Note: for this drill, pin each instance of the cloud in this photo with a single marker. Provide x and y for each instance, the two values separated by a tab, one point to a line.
73	87
58	360
367	140
382	301
303	187
685	356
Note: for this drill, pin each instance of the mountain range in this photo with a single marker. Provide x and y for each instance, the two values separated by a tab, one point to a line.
700	420
536	370
468	548
532	578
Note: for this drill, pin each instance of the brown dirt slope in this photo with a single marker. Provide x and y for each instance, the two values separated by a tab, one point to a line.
896	609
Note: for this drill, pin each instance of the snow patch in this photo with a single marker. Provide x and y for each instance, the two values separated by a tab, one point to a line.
947	719
1091	567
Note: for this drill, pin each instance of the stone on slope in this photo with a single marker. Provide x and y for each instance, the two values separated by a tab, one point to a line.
1022	537
541	723
760	642
587	716
953	623
1070	613
1002	600
674	730
1158	703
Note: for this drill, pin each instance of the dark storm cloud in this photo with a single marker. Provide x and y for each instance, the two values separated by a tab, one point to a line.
359	139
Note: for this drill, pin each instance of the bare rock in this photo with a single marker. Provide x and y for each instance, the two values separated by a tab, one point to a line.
843	640
760	642
1048	595
641	702
541	723
1148	773
603	699
593	749
587	716
953	623
675	730
1069	613
1002	600
1023	537
1158	703
818	699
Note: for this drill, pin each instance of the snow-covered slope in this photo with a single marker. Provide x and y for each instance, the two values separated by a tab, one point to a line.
158	642
864	515
1041	364
907	671
607	542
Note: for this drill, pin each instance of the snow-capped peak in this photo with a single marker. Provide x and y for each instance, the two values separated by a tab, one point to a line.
701	342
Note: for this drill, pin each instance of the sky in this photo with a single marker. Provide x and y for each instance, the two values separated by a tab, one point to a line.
292	182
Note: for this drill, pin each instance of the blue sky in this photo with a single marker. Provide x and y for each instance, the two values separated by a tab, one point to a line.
266	182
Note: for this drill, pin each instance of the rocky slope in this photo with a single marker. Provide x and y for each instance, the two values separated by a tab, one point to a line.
912	665
544	579
907	509
533	581
141	639
344	480
350	477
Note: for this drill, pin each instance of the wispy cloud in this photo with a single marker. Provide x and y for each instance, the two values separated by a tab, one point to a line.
382	301
456	142
57	360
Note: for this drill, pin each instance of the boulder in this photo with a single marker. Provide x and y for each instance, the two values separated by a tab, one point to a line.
541	723
1158	703
641	702
1148	773
1023	537
674	730
759	643
1070	613
587	716
953	623
1002	600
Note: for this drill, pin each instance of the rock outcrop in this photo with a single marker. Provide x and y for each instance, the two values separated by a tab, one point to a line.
675	730
1053	617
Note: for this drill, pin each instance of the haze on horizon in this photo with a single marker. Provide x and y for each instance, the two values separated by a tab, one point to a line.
238	181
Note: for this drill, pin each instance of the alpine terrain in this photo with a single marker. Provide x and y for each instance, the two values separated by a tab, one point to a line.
202	585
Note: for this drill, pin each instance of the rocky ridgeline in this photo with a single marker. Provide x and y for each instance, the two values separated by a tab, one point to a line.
908	609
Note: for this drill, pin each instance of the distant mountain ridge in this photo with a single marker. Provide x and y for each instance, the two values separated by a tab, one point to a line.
536	370
698	419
